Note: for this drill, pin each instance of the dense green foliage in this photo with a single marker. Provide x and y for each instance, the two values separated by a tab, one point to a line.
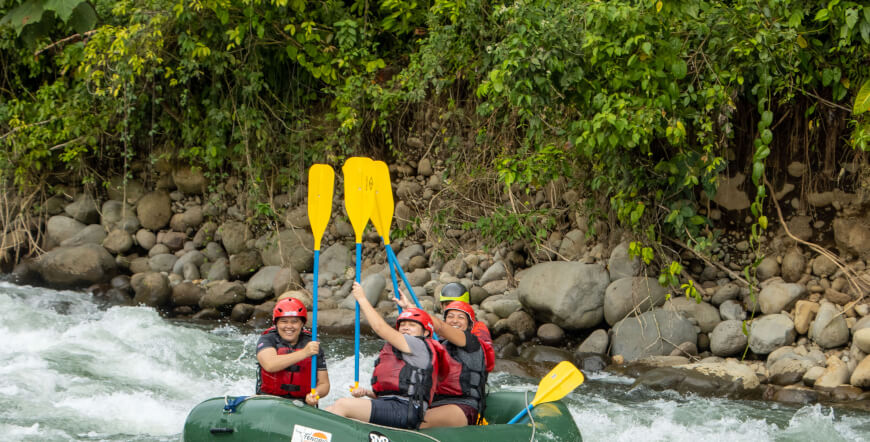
639	101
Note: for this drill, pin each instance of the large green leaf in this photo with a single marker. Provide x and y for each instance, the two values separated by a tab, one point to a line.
83	18
862	100
24	14
77	13
63	8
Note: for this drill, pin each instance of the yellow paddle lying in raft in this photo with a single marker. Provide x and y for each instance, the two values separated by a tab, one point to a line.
560	381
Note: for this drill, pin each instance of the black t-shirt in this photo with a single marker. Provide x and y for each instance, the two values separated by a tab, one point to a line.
274	340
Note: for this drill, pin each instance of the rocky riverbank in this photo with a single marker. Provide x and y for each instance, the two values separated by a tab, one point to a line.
194	254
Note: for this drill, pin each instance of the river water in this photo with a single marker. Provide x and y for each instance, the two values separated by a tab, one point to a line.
74	368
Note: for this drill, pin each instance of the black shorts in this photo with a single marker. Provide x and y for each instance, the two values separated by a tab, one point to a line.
396	412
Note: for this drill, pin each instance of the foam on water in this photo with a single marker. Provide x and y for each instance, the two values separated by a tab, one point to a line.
74	370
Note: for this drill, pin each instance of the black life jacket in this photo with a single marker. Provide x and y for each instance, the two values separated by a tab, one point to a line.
293	381
471	377
393	376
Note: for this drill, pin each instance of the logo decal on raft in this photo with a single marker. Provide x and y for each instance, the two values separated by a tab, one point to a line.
305	434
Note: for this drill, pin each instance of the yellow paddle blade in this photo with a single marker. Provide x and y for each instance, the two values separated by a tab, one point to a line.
358	193
382	215
561	380
321	181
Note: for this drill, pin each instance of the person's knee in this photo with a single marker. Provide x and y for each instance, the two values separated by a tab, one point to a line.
339	407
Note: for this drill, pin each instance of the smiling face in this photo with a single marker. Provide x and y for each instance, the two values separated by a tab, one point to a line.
456	319
412	328
289	328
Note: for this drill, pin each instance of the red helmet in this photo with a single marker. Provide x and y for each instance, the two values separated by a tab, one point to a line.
463	307
418	316
289	307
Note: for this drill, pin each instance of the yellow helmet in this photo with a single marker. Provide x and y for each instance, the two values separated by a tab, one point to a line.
454	292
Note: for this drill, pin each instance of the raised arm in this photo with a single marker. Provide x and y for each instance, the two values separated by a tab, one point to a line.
453	335
380	327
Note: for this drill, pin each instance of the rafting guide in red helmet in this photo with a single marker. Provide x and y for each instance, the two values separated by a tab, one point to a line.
284	354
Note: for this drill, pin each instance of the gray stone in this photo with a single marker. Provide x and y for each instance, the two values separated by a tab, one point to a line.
705	314
336	259
151	288
84	209
768	268
194	257
234	235
631	295
551	334
244	264
823	266
189	180
154	210
69	266
852	235
793	265
118	241
496	271
59	228
727	339
597	342
117	215
725	293
829	329
777	297
732	310
163	262
146	239
771	332
223	295
568	294
654	333
573	245
187	293
92	234
219	270
260	286
620	265
408	252
290	247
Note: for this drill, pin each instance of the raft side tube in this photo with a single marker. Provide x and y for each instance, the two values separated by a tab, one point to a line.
271	418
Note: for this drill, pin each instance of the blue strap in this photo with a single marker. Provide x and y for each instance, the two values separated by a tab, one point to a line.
231	405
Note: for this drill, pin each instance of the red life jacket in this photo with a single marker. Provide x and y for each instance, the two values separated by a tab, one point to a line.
470	377
293	381
482	332
392	375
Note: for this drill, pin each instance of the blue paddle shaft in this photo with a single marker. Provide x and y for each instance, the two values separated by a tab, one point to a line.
314	320
520	415
393	276
356	322
391	256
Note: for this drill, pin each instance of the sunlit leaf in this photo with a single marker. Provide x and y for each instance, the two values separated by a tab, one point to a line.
862	100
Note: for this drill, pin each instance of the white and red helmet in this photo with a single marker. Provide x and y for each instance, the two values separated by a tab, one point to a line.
418	316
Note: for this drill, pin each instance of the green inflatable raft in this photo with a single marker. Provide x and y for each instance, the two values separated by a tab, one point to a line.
270	418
